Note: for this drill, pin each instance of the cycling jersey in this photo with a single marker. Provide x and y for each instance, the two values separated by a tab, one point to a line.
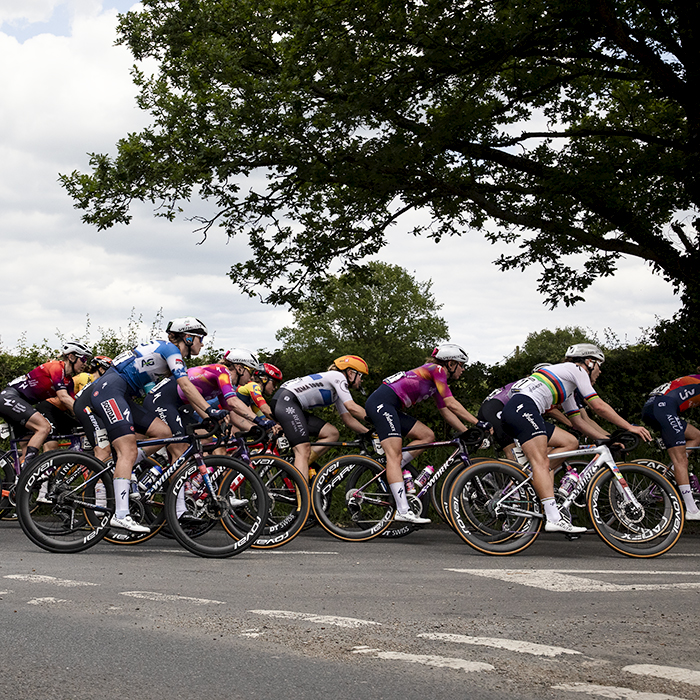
683	393
555	385
323	389
148	363
252	396
211	381
501	394
420	384
42	382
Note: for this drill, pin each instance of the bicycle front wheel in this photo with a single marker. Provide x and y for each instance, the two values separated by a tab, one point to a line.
55	492
351	498
643	530
239	498
7	482
494	508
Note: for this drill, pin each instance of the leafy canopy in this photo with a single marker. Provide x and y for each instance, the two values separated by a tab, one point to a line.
570	128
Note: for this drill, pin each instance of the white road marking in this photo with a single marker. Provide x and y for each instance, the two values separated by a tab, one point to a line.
5	592
167	598
282	551
254	632
608	691
312	617
670	673
426	660
509	644
570	580
41	601
36	578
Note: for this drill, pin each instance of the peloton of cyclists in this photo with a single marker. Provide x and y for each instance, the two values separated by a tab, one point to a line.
532	396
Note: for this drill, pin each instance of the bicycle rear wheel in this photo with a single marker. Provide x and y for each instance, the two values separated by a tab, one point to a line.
351	498
74	482
644	532
239	498
494	508
290	502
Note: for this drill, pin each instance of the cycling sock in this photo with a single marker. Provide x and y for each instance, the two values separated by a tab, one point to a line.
551	510
140	456
121	497
399	491
406	457
688	499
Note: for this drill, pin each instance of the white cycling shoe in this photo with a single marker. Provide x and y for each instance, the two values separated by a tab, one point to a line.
563	525
411	517
128	523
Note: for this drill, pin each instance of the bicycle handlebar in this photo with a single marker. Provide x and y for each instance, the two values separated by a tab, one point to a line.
625	438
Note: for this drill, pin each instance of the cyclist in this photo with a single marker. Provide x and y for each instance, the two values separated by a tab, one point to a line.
532	396
403	390
51	379
293	400
265	381
112	401
662	411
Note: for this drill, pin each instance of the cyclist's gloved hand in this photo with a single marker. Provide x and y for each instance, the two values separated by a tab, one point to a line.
216	413
264	422
484	425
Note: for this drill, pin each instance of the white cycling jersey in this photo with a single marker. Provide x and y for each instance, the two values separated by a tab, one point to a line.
323	389
555	385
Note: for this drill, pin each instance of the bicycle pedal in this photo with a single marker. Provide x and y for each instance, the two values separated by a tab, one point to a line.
572	537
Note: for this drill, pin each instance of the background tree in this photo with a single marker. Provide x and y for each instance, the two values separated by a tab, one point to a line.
565	126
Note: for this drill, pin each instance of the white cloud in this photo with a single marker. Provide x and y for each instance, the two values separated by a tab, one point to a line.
70	92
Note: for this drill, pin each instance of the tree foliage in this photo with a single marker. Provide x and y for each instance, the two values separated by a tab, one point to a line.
562	126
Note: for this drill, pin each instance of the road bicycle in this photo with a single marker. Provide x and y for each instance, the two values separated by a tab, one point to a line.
81	498
351	497
634	509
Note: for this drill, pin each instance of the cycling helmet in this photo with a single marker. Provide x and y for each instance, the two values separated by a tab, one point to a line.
450	351
268	370
100	362
73	346
541	365
585	351
239	356
351	362
187	325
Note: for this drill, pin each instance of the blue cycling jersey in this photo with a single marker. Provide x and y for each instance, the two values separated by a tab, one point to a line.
148	363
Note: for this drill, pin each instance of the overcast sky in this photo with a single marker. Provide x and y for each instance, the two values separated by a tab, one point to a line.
66	91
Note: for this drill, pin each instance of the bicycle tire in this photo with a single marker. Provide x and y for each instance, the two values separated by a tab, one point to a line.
61	526
216	541
646	534
344	514
290	502
441	497
7	483
490	506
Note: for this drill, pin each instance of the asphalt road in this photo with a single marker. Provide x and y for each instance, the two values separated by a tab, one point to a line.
420	617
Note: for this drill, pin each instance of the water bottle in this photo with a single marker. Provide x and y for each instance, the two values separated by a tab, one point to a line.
376	444
134	494
408	481
519	455
424	476
568	483
153	473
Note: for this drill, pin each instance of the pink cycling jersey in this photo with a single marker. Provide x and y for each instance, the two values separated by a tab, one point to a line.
210	381
420	384
43	382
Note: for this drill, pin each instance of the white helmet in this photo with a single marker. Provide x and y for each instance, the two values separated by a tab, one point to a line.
450	351
585	351
186	324
239	356
541	365
73	346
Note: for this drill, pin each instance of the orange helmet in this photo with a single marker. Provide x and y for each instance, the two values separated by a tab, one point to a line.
352	362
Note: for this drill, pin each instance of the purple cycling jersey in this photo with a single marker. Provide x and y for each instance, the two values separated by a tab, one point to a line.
420	384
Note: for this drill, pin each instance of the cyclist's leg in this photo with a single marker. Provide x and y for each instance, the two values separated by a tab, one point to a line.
325	432
290	415
490	411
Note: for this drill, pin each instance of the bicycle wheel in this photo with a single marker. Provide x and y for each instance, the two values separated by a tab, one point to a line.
494	508
7	482
145	510
440	494
290	502
239	498
351	498
642	532
74	482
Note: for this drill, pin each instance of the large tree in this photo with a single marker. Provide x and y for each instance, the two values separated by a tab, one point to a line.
563	126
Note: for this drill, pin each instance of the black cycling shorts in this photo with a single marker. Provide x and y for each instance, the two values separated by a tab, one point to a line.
662	414
298	425
523	421
383	410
